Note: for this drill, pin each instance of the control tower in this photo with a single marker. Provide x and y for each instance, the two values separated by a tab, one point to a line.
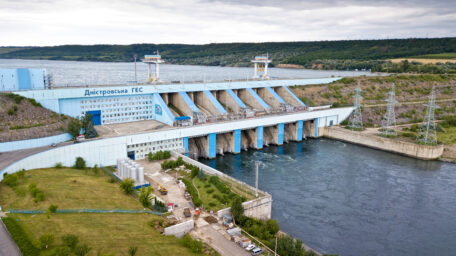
153	59
260	65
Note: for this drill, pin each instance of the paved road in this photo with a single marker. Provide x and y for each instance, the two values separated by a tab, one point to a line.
217	241
7	245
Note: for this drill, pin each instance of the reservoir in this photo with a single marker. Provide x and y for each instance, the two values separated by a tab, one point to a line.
350	200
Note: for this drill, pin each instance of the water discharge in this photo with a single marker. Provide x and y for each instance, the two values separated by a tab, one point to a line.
351	200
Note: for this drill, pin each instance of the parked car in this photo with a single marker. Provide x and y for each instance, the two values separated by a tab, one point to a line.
187	212
250	247
256	251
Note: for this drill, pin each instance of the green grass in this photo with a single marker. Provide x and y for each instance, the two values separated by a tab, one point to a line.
209	202
71	189
110	233
448	136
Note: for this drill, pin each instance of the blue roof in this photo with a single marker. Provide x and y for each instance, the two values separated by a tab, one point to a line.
182	118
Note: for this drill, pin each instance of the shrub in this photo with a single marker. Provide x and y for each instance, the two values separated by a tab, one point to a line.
34	103
39	197
58	165
192	191
74	126
144	196
45	241
132	250
95	169
237	210
127	185
82	250
70	241
195	172
160	155
195	245
19	236
10	180
11	112
212	204
53	208
209	191
80	163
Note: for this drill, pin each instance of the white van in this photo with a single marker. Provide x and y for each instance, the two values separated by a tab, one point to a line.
256	251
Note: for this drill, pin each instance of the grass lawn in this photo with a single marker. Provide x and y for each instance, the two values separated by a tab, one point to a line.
110	233
69	188
448	136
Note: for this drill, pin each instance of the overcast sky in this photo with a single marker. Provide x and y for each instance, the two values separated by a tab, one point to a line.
56	22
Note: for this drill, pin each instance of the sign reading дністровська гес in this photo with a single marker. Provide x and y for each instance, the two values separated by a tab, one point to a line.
96	92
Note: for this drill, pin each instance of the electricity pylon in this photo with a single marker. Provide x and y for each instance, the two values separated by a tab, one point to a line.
356	120
428	134
389	120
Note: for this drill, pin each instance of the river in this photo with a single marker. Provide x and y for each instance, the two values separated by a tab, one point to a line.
350	200
74	73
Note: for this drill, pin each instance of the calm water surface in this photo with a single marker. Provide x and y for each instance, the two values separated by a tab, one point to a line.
67	73
351	200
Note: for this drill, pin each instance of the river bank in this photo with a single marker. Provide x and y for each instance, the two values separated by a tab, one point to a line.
373	140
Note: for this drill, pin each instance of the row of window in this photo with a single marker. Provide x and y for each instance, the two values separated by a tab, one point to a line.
142	149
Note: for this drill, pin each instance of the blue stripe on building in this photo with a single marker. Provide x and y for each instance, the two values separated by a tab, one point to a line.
300	125
185	144
280	133
236	98
23	76
316	127
237	141
259	137
212	145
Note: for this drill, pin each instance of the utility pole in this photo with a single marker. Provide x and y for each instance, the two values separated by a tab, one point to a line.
427	131
135	56
356	120
257	165
389	120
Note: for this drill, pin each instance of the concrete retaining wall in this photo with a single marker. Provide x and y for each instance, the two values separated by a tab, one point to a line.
259	208
449	152
179	230
378	142
34	143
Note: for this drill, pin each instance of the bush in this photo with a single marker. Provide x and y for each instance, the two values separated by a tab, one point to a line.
160	155
45	241
11	112
36	193
19	236
237	210
74	126
195	172
82	250
10	180
58	165
195	245
209	191
70	241
127	186
192	191
60	251
53	208
144	196
80	163
132	250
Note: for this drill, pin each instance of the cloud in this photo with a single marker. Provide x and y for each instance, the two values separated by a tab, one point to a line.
53	22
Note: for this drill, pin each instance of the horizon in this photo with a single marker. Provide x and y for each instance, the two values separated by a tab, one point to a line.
265	42
199	22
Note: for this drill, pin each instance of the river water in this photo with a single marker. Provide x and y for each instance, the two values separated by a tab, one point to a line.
350	200
68	73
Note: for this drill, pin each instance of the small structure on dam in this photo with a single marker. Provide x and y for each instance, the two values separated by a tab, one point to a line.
260	66
156	60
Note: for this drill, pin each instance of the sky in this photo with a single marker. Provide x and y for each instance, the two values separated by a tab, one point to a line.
58	22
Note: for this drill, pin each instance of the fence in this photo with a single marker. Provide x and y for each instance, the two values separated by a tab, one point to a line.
213	171
84	211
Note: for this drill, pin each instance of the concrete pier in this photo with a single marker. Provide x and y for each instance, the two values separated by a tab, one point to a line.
288	96
252	99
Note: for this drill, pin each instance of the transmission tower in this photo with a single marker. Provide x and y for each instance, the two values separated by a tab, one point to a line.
356	120
427	132
389	120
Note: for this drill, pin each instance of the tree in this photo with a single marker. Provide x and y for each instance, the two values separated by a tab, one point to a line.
237	210
127	185
70	240
46	240
80	163
82	250
132	250
74	126
144	196
87	124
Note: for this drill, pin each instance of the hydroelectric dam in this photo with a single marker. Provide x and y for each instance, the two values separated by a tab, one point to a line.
198	119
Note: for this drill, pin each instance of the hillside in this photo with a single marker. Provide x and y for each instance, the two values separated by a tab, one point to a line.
342	54
22	118
411	92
